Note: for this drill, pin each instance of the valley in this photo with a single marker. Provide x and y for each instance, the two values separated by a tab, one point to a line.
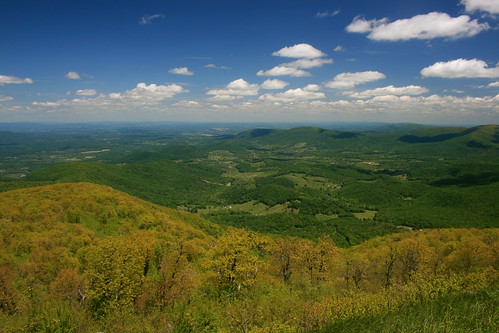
299	229
302	181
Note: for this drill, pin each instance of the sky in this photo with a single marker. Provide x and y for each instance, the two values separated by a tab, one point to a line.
429	62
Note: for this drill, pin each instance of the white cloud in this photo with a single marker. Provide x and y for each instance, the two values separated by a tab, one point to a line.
235	88
299	51
4	98
361	25
339	48
187	103
491	6
141	95
218	106
271	84
225	97
388	90
427	26
215	66
5	79
493	85
72	76
312	87
307	63
350	80
147	19
309	57
431	106
181	71
461	68
86	92
293	95
435	104
152	93
283	71
327	13
58	103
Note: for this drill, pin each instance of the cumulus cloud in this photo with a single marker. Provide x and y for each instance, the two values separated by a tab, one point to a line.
271	84
6	98
362	25
308	63
461	68
284	71
491	6
350	80
152	93
293	95
5	79
147	19
436	104
299	51
234	90
141	95
180	71
433	105
312	87
388	90
339	48
427	26
493	85
86	92
308	57
72	76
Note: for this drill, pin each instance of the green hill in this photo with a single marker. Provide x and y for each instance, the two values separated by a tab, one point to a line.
167	183
101	209
82	257
309	181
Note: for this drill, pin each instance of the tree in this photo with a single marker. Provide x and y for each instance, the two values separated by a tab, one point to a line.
284	256
236	258
68	285
316	259
117	266
177	277
9	297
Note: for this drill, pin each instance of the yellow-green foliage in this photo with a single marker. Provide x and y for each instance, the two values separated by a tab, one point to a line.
116	268
82	257
236	258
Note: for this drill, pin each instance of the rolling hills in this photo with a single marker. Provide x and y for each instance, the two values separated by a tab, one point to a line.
309	181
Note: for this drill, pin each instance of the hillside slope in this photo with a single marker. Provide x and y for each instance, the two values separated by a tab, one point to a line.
100	209
85	258
168	183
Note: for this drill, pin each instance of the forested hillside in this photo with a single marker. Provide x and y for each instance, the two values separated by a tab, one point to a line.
307	181
85	258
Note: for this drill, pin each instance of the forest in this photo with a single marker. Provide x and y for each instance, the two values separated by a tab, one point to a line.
306	229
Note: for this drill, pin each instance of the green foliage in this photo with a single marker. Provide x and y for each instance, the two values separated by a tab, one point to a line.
82	257
345	231
336	182
457	313
167	183
116	267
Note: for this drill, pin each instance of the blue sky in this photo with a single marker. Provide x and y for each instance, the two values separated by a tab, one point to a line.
292	61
